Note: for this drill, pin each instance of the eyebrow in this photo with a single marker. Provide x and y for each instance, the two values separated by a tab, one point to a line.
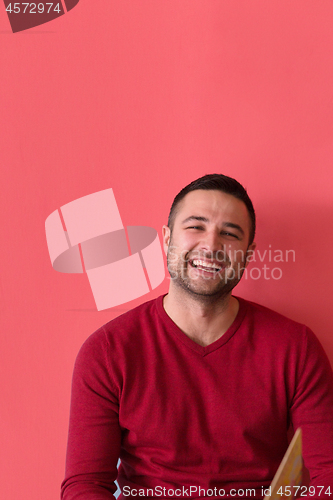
195	217
204	219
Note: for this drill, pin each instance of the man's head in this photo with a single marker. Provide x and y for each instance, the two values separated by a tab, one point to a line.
209	235
221	183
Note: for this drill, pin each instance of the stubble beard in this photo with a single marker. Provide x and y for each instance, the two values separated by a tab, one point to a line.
201	289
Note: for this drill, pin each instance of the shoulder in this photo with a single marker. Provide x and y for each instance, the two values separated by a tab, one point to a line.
281	338
266	322
139	318
128	328
268	316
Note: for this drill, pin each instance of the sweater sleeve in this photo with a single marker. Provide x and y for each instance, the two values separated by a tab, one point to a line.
94	434
312	410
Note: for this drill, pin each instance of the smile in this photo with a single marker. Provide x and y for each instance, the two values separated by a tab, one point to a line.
204	265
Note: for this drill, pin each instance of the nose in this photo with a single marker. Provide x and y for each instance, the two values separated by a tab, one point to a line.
212	242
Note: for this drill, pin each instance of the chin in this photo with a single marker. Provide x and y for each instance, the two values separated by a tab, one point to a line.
202	291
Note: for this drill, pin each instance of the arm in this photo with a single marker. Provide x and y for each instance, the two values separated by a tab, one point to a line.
312	410
94	434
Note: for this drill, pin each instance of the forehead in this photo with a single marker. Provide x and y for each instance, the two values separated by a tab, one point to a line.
217	206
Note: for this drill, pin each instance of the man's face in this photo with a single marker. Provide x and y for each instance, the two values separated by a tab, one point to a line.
207	249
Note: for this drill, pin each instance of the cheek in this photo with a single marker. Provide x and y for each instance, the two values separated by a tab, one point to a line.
236	252
178	254
184	243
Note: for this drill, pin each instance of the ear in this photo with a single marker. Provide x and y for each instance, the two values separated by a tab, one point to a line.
166	238
249	253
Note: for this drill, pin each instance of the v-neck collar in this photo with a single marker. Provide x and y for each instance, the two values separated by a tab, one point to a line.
202	350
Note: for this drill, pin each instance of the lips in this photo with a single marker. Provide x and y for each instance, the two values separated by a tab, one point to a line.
209	266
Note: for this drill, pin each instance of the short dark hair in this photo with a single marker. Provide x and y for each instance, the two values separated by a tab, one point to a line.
217	182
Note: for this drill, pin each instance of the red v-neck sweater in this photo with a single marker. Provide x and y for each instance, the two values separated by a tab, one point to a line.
179	414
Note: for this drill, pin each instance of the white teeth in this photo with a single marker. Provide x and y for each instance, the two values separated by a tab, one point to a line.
204	263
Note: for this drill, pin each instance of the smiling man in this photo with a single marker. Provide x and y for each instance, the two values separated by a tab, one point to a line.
195	391
207	241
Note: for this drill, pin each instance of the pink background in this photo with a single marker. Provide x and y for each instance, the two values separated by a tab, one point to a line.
143	97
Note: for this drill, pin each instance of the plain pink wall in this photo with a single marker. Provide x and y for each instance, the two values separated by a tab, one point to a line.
143	97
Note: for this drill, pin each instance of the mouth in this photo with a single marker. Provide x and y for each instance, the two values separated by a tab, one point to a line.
206	265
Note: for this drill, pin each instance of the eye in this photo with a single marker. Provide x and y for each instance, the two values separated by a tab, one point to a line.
232	235
195	227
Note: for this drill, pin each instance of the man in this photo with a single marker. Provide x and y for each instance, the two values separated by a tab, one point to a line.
195	391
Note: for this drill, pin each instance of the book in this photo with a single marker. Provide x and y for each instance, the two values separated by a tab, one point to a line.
289	474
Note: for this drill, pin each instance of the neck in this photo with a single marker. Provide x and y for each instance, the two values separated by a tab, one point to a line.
202	319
